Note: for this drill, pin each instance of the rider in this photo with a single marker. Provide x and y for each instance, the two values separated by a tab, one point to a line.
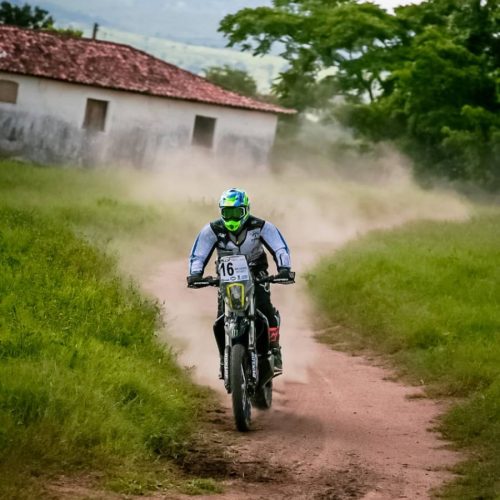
238	232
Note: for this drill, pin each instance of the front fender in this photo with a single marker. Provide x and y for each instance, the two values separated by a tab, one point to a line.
236	331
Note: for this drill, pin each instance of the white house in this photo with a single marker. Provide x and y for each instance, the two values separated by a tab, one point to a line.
84	101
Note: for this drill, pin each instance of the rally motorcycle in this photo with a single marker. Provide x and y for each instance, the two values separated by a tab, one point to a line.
248	360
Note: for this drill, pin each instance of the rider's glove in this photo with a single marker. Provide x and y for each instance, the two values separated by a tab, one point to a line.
192	279
285	273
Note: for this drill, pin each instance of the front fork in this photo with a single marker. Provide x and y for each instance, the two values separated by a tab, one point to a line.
231	325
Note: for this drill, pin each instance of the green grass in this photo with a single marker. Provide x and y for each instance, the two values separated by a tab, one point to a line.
102	206
84	384
93	202
429	295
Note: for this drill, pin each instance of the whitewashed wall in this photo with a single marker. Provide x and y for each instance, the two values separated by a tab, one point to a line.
46	125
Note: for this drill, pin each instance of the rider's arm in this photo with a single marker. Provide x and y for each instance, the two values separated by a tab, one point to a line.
203	248
276	244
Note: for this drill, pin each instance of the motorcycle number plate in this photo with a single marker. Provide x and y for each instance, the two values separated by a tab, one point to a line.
233	268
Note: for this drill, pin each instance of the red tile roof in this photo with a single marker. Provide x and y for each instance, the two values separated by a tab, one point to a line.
111	65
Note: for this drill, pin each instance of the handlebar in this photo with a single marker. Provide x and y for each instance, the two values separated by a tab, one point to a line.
277	279
204	282
211	281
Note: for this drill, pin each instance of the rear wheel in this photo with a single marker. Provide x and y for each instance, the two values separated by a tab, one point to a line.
263	398
239	379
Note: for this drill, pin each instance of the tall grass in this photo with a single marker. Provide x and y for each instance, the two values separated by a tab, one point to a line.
429	294
95	203
83	382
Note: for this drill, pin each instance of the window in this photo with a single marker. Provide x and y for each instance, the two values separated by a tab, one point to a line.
95	115
203	133
8	91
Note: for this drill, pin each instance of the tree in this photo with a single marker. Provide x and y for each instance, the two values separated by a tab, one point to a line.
446	91
32	17
233	79
426	77
316	35
25	16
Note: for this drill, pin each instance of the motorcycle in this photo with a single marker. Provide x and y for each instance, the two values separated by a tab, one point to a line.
248	360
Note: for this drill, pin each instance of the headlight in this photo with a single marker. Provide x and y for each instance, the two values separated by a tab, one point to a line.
236	295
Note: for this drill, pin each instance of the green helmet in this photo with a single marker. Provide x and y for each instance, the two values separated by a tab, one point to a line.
234	208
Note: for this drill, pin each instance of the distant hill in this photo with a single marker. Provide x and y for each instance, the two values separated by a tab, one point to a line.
195	58
182	32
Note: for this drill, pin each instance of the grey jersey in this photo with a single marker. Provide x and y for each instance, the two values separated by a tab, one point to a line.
250	241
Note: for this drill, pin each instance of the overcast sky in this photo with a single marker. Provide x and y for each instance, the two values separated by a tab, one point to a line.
191	21
390	4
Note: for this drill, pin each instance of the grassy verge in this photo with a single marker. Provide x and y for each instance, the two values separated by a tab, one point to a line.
429	295
98	205
84	385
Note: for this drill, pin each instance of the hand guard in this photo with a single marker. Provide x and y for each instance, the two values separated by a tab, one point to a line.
192	279
285	274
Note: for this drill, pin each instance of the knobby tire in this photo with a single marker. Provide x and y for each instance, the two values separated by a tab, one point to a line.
239	380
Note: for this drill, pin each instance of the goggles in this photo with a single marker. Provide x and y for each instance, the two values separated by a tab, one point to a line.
233	213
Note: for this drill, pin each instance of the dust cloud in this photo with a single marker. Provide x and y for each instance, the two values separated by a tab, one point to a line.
317	210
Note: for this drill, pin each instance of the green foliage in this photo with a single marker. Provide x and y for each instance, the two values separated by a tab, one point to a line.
430	295
84	384
32	17
234	79
426	76
350	38
67	31
25	16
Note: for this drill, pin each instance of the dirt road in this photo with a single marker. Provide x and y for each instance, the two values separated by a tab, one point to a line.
339	427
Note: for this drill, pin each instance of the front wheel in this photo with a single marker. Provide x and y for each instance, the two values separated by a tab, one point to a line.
239	387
